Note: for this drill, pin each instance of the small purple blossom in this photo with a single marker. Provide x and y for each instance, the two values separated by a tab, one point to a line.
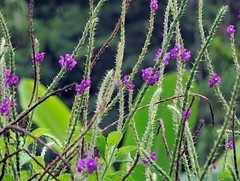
154	5
81	164
145	161
185	55
214	166
175	51
39	57
130	85
147	76
83	85
230	145
11	80
153	156
154	78
215	79
68	61
166	59
92	165
238	16
5	107
146	73
231	29
186	114
158	54
87	163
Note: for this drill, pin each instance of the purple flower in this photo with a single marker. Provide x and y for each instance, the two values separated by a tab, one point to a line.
125	80
175	51
68	61
130	85
153	156
185	55
87	163
81	164
214	166
231	30
158	54
92	165
186	114
146	73
154	5
238	16
215	79
5	107
166	59
145	162
230	145
84	85
39	57
147	76
11	80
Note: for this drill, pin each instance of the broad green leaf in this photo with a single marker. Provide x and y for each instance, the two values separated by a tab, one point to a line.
114	138
141	117
126	149
37	133
101	145
51	114
125	157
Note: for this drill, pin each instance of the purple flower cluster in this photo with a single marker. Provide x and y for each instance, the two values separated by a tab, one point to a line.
87	163
153	157
175	51
215	79
186	114
39	57
231	29
230	145
130	85
154	5
147	76
83	85
67	61
11	80
5	107
173	54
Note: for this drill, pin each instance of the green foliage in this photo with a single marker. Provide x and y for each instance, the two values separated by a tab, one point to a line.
52	114
141	118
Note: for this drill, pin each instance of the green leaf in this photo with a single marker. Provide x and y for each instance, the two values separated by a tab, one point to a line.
64	177
37	133
114	138
126	149
141	117
51	114
101	145
117	176
225	175
125	157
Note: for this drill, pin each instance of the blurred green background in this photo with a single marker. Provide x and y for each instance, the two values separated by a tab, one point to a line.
58	26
